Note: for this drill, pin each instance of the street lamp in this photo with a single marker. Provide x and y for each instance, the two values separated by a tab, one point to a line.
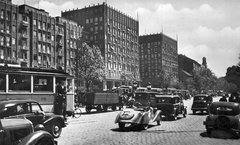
149	86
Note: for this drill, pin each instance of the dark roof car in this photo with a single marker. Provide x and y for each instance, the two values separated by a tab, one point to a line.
20	132
223	116
201	103
32	111
171	106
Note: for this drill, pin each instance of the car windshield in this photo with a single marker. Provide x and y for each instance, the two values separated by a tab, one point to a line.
164	100
224	110
197	98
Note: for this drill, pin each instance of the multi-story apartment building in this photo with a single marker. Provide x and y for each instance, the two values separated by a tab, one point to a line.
116	34
9	31
186	65
158	53
32	38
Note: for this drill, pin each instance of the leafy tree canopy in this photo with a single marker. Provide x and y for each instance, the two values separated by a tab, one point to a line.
90	64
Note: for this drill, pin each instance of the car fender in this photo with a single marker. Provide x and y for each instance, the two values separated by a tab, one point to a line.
157	116
48	123
117	118
146	117
34	137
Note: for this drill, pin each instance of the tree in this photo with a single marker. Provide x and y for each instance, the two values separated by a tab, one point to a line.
90	64
166	79
203	79
233	75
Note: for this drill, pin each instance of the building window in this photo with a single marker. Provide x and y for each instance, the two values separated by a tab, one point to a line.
14	29
13	41
2	14
96	19
14	16
101	19
87	21
91	20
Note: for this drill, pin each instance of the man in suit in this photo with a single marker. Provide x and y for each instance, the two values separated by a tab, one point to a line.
61	99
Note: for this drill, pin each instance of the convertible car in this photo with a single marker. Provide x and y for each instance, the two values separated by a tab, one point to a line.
223	116
139	112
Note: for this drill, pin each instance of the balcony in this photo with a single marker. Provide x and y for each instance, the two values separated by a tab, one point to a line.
26	48
24	24
24	36
60	34
60	53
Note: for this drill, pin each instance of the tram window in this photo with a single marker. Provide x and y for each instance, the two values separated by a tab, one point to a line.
69	85
43	83
2	82
19	82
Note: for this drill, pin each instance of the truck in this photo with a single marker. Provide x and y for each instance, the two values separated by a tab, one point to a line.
100	101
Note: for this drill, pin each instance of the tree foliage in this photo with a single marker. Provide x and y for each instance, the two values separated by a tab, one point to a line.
233	75
203	79
90	64
167	80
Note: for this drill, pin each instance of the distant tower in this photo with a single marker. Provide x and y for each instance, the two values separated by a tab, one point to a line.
204	62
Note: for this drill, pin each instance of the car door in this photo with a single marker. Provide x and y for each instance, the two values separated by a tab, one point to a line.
35	114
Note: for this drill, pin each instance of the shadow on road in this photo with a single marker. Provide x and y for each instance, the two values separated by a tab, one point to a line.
132	128
221	134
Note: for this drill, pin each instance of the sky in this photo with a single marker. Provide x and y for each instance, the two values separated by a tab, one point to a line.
203	28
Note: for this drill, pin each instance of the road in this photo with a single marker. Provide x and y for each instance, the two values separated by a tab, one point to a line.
99	129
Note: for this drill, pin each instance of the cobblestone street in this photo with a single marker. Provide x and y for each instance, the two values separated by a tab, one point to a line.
99	128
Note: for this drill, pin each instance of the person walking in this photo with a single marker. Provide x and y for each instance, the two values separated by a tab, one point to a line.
224	99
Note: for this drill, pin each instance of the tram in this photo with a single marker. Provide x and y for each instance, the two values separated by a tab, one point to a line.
38	84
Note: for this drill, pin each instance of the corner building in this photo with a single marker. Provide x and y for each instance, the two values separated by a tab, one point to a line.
158	53
116	34
31	38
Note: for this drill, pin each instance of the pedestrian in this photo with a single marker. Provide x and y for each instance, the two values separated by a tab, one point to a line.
61	99
224	99
233	97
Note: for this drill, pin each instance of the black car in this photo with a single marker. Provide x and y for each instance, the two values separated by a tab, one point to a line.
201	103
20	132
223	116
171	106
32	111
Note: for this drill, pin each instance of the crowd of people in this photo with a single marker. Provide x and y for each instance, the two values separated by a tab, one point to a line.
233	98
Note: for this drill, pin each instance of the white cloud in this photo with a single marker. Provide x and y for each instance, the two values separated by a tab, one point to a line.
53	9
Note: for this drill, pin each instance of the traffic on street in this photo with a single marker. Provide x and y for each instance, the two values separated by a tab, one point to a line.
99	128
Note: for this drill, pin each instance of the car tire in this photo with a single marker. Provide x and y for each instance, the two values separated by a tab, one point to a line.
121	125
184	113
56	129
209	130
114	108
194	112
88	109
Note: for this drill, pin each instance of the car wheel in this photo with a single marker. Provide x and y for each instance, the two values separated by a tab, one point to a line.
144	126
88	109
114	108
194	112
56	129
105	108
185	113
121	125
209	130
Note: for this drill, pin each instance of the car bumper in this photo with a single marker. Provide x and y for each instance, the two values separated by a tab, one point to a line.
199	109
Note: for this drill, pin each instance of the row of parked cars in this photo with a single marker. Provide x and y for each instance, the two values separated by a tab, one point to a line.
24	122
